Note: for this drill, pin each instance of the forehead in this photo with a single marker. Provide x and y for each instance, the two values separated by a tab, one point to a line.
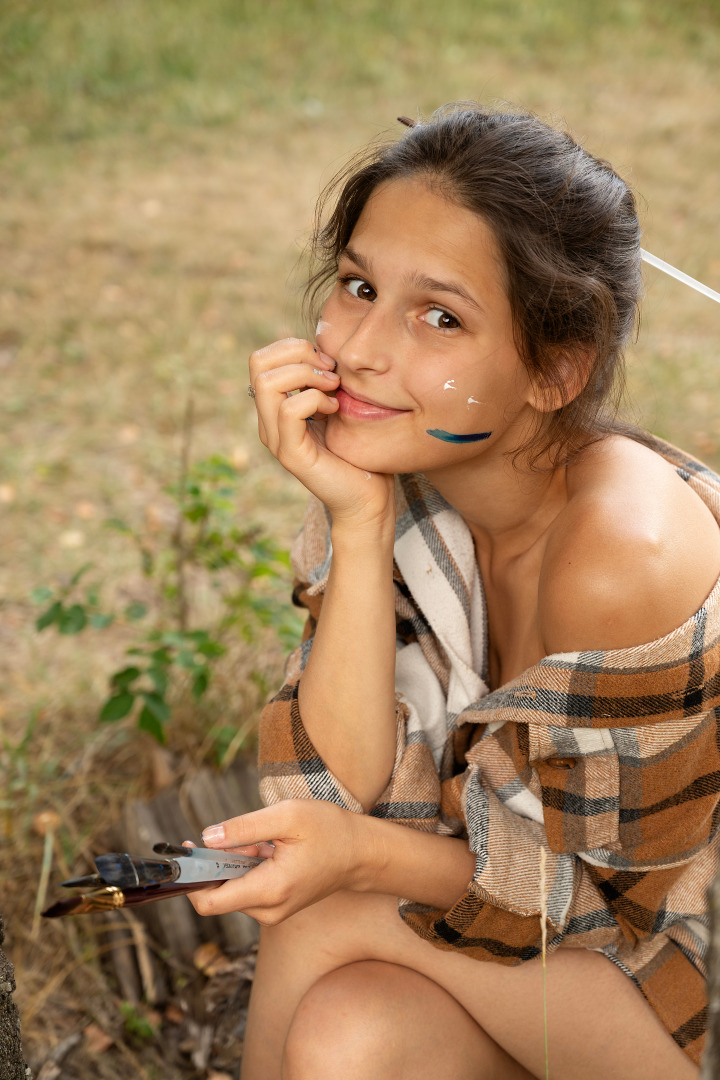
411	220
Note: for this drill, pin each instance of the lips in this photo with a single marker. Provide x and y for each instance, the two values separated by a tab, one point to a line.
359	408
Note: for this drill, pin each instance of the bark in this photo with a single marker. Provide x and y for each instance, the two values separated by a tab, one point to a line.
12	1064
711	1058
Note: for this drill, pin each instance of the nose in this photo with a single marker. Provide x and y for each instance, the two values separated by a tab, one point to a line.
369	346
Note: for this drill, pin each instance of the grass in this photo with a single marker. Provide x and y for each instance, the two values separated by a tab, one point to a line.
158	166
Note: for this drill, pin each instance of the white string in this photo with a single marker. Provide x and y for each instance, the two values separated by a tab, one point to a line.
678	274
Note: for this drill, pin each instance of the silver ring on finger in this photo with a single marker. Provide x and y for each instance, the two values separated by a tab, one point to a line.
251	391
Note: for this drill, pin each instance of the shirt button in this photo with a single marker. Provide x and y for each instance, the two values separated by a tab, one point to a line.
561	762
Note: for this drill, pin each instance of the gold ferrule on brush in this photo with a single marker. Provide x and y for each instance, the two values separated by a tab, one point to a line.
108	899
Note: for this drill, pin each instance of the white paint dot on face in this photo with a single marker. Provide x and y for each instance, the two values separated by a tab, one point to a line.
368	476
322	327
450	385
474	401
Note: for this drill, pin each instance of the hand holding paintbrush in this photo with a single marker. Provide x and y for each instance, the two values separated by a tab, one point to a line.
124	880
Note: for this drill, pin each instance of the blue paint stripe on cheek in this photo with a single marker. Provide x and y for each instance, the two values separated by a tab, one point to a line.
447	436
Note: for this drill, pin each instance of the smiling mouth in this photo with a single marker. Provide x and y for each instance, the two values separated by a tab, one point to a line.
359	408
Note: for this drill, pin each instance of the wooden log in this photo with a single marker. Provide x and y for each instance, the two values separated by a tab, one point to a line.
177	813
122	956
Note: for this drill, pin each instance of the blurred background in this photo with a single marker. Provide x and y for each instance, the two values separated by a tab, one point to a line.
159	162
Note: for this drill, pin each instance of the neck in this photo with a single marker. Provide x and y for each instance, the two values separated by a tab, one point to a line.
506	507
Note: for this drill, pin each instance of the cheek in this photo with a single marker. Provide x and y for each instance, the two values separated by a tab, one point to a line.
333	328
459	396
457	411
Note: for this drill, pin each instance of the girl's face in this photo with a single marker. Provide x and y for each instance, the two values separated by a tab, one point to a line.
420	326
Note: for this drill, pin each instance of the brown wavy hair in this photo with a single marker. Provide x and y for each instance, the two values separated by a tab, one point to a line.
567	230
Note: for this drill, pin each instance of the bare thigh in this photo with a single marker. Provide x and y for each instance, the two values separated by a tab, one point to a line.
598	1025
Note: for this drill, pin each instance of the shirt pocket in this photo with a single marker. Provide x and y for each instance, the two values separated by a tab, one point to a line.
579	776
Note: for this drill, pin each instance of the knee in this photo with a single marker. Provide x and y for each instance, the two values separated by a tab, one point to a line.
342	1027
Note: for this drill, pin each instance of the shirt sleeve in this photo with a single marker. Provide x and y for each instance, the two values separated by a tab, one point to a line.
291	768
627	838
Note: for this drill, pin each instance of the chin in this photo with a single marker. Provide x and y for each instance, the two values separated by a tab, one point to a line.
364	450
373	451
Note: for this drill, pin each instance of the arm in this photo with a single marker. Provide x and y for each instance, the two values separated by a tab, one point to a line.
346	691
290	766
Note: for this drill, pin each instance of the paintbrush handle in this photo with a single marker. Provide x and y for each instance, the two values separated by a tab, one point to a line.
112	898
148	895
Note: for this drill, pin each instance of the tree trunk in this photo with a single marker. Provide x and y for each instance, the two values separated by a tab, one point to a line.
711	1058
12	1064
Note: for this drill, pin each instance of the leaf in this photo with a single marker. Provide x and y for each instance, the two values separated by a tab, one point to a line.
136	611
117	707
211	649
72	620
263	570
100	622
147	721
50	616
198	512
157	706
41	595
200	683
186	660
161	656
159	678
121	679
80	573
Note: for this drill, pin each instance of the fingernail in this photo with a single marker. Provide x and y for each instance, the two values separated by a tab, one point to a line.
321	371
328	360
214	834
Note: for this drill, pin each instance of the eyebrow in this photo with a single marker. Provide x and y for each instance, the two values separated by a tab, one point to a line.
420	281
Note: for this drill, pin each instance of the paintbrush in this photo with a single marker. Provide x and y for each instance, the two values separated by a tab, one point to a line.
111	898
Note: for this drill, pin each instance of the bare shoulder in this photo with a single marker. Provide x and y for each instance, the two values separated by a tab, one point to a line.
633	555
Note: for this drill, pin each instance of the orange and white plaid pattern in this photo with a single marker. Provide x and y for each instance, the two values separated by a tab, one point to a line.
610	761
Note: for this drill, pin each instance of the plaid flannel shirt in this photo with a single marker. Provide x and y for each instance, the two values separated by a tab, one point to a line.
608	760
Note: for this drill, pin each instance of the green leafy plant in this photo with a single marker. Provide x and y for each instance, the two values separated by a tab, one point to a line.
203	544
138	1025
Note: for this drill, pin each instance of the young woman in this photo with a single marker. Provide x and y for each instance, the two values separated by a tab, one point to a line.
505	709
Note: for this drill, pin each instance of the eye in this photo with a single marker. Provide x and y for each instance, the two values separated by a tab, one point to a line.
359	288
441	319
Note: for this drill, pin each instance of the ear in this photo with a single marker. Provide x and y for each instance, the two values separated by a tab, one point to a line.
565	380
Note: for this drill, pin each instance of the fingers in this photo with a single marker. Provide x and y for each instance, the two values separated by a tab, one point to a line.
270	823
257	894
281	369
308	861
289	377
290	365
288	351
276	410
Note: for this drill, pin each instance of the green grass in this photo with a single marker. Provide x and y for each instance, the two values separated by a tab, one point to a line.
76	70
